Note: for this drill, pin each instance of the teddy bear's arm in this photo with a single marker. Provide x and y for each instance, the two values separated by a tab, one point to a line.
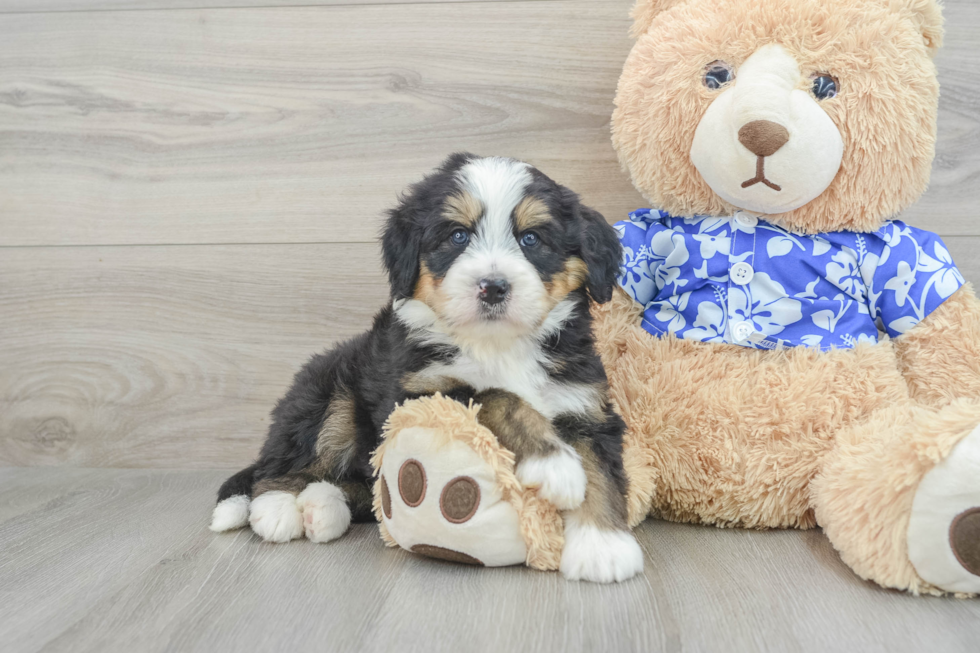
940	356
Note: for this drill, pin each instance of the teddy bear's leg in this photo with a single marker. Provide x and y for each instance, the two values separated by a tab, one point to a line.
899	497
599	545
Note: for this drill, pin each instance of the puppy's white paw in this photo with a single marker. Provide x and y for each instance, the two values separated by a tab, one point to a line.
600	556
275	517
559	477
325	513
230	514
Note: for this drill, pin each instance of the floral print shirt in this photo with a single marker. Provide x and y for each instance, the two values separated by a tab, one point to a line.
743	281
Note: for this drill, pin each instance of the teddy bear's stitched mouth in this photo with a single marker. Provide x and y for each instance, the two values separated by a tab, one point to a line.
760	176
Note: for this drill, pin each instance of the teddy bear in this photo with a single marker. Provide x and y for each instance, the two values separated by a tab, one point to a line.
785	352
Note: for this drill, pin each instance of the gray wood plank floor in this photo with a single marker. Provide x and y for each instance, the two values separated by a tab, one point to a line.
121	560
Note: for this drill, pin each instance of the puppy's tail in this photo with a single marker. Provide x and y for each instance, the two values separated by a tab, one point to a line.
233	500
240	483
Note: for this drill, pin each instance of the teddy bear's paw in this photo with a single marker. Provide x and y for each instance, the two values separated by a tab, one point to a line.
944	527
325	513
559	477
230	514
275	517
599	555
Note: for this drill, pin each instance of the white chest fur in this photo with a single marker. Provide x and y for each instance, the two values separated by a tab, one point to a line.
517	365
521	370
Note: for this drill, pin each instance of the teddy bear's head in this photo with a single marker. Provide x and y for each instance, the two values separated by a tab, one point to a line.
820	114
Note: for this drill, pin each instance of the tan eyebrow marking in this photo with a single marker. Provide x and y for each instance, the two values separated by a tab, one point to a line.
571	277
530	213
463	208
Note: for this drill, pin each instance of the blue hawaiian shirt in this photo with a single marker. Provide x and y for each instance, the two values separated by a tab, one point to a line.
744	281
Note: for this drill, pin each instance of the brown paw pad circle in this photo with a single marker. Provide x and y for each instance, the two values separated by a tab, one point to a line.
385	498
964	539
459	499
445	554
411	482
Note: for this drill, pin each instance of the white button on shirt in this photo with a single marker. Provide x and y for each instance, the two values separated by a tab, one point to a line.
742	331
742	273
746	220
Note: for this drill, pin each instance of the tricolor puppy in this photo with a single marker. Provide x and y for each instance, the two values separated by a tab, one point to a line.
491	266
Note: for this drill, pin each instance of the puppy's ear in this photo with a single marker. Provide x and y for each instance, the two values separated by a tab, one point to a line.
600	248
400	247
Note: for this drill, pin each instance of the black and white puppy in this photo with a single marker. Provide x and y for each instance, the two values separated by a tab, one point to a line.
491	265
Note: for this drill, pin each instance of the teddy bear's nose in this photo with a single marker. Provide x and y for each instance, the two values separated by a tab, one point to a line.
763	137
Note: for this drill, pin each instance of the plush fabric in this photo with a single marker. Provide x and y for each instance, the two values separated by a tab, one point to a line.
442	438
880	50
877	442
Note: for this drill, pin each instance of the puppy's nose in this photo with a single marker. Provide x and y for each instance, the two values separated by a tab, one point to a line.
493	291
763	137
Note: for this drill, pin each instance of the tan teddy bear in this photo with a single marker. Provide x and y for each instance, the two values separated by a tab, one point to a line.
784	352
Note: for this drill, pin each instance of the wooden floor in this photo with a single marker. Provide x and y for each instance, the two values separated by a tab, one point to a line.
189	196
120	560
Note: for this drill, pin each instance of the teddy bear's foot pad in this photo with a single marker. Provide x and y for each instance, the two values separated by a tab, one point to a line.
599	555
944	527
964	538
440	553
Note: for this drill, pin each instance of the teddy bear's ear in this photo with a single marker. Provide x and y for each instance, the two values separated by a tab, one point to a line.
644	11
928	17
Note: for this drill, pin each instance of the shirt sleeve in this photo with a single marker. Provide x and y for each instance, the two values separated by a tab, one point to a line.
637	273
914	275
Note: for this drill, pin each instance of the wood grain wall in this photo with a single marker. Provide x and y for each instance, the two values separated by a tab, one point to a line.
189	197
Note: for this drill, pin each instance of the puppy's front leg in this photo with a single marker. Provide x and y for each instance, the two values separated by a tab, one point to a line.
599	545
544	461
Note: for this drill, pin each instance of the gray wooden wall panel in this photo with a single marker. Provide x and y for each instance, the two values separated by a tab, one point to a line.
291	125
173	356
165	356
45	6
302	124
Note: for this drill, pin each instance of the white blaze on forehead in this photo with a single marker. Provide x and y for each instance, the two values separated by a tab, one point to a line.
500	185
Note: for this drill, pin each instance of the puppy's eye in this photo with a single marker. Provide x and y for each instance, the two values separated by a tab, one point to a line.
824	86
717	74
460	237
530	239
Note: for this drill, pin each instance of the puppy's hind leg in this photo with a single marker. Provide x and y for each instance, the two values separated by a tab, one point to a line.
326	515
274	513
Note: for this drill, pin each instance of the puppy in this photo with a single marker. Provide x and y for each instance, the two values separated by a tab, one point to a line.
491	266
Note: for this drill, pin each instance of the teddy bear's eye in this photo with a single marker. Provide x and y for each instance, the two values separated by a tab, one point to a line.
717	74
825	86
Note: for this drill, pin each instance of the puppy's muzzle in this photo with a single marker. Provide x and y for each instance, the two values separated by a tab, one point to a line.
493	291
